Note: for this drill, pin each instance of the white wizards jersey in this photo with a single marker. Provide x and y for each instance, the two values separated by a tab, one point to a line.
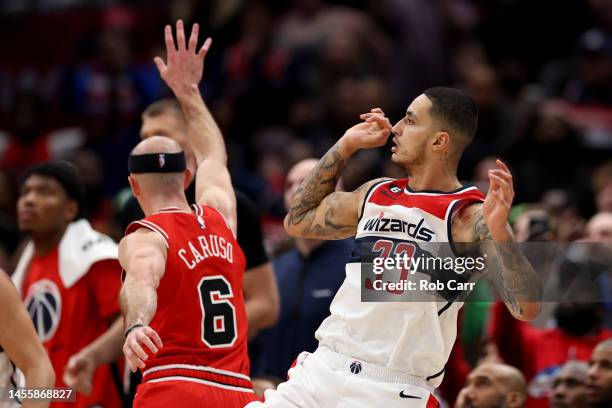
412	338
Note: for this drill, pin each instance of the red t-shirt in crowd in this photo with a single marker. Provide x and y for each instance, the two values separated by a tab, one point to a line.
538	353
68	319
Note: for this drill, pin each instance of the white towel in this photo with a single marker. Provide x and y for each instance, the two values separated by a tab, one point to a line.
80	248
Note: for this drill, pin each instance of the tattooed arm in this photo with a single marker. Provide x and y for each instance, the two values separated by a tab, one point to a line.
518	284
316	211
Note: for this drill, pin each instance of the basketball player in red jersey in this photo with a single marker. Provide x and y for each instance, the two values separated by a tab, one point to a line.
182	297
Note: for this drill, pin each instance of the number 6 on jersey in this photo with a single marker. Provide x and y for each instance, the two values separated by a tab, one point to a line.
218	312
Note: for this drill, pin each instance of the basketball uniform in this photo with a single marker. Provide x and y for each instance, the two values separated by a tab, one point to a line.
67	319
200	317
10	378
389	354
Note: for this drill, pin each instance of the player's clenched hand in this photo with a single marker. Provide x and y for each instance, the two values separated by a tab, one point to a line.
372	132
136	343
79	371
498	202
185	64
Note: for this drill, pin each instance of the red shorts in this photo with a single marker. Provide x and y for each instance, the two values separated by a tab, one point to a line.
178	393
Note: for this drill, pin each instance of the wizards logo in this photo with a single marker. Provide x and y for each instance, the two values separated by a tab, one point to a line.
44	304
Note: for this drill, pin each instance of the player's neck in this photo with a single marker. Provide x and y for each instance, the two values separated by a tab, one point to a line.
158	203
432	176
43	244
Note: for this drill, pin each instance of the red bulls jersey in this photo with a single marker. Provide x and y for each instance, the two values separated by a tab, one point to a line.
200	317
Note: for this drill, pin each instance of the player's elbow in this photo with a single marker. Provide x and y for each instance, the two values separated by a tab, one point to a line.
292	228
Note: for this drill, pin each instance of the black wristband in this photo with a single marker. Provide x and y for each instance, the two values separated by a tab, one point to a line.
132	327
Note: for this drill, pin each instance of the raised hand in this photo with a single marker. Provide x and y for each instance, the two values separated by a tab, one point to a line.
135	355
498	202
185	65
372	132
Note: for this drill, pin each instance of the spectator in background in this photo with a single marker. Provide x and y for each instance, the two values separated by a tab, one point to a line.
599	383
68	277
538	353
569	386
602	185
308	278
599	228
533	226
492	385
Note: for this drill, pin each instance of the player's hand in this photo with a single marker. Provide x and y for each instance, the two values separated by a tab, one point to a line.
372	132
79	371
378	117
498	202
183	70
135	343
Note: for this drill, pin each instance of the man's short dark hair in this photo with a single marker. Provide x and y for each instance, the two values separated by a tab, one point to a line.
162	106
455	110
68	176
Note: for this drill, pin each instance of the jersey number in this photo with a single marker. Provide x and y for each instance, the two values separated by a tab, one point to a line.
386	249
218	312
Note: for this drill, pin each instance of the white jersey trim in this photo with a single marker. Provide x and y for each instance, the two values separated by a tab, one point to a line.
200	381
196	368
460	191
149	225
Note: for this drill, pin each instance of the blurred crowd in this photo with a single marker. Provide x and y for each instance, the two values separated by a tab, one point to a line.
284	80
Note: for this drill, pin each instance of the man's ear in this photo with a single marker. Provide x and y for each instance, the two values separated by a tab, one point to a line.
188	178
441	140
515	400
72	209
134	186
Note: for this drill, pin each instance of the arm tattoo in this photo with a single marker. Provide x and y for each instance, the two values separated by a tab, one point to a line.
319	183
513	275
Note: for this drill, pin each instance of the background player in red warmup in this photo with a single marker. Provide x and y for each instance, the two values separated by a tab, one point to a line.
68	277
182	296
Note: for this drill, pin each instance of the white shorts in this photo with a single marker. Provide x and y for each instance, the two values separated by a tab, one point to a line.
326	379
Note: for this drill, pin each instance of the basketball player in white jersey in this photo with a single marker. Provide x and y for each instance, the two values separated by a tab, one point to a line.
392	354
21	353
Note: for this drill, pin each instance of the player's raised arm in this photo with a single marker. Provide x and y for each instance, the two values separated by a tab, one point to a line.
142	255
316	211
518	284
19	341
182	73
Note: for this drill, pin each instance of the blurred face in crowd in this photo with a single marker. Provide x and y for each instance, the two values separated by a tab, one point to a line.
172	125
569	386
492	386
599	228
295	177
412	134
604	197
599	382
579	318
43	207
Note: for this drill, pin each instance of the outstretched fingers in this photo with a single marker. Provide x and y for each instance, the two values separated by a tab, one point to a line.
193	39
180	35
161	66
205	47
169	40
